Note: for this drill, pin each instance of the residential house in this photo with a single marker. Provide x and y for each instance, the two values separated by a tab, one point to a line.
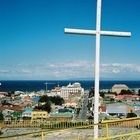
39	115
27	113
61	116
70	103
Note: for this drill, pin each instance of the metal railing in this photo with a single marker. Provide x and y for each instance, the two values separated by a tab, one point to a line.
122	129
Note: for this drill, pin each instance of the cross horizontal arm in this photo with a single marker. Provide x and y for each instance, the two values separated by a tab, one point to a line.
114	33
79	31
93	32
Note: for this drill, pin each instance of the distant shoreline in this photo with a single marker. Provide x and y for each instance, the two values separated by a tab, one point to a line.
72	80
37	85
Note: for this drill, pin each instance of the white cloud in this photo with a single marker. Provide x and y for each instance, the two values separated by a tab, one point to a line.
116	70
26	71
4	71
72	69
120	68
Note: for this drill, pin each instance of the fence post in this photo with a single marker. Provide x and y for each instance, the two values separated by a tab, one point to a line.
78	137
107	135
42	136
132	134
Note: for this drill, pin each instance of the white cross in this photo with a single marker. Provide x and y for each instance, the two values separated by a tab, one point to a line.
98	33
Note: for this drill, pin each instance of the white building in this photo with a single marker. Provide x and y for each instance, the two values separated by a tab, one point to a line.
71	88
118	87
65	91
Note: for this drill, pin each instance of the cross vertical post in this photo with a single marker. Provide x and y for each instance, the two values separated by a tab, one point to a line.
98	34
97	69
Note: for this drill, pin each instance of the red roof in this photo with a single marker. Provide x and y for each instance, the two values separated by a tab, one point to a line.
4	93
102	109
23	105
15	108
27	98
126	96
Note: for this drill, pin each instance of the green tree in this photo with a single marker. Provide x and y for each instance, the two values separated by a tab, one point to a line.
131	115
45	107
91	92
26	118
57	100
123	92
44	98
102	94
112	99
139	92
1	116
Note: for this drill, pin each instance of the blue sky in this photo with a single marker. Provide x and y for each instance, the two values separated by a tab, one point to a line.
33	44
